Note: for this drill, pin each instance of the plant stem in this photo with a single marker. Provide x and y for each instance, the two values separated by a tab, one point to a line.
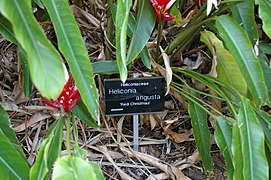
68	126
159	35
75	134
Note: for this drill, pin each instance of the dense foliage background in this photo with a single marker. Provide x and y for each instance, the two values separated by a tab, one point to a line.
214	56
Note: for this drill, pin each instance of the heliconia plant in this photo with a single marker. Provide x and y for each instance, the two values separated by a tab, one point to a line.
156	35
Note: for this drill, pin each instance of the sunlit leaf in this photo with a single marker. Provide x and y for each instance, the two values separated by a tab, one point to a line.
44	61
48	153
123	9
144	27
240	47
72	46
70	168
227	68
6	29
252	143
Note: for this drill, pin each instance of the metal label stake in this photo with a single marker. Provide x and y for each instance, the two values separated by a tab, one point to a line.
135	124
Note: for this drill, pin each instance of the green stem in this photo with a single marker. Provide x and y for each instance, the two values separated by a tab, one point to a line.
75	134
159	35
68	140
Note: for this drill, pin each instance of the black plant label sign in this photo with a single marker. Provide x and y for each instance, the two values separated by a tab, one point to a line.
135	96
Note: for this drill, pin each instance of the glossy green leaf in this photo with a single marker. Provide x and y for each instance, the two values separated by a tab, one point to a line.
44	61
80	110
201	133
6	29
223	137
105	67
71	168
144	27
26	73
73	48
252	143
227	69
267	76
237	153
144	54
48	153
264	10
243	13
265	121
9	133
122	15
241	49
12	165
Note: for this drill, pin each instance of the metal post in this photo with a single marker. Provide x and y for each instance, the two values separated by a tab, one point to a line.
135	125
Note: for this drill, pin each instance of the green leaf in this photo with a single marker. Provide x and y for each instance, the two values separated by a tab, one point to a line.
144	54
255	164
26	73
73	48
243	13
48	153
70	168
144	27
44	61
265	121
241	49
223	137
80	110
267	76
201	133
237	153
227	68
6	29
12	164
105	67
123	9
9	133
264	10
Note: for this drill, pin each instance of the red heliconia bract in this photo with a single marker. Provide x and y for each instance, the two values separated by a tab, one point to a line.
68	97
161	7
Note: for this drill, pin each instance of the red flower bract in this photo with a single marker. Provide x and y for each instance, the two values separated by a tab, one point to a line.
161	7
68	97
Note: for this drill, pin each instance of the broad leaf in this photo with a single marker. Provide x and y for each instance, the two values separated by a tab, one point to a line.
70	168
12	164
48	153
227	68
144	54
80	110
105	67
123	9
144	27
9	133
44	61
238	160
240	47
264	10
243	13
201	133
73	48
223	137
6	29
255	164
265	121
